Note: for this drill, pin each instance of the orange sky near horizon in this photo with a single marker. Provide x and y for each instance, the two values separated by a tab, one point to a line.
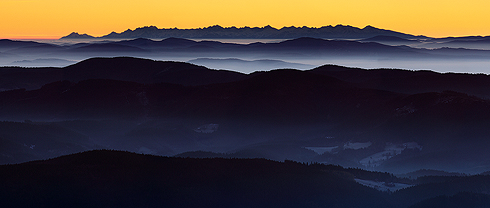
31	19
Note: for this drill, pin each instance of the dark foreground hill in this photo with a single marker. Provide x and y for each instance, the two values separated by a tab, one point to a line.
122	179
104	178
461	200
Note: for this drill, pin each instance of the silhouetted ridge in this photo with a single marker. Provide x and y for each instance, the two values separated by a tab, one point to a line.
106	47
463	38
122	68
276	114
248	65
216	31
278	95
139	42
201	154
407	81
75	35
316	46
165	43
177	42
303	47
6	44
147	71
121	179
41	48
447	186
105	178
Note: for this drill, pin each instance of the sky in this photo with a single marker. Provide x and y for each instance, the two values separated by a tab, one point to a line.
31	19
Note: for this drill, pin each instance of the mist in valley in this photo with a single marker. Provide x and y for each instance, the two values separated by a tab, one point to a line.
234	108
380	122
249	55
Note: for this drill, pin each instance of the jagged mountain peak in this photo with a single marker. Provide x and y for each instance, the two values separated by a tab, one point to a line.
75	35
217	31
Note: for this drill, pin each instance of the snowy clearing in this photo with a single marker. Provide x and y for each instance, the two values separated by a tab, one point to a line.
383	186
390	151
321	150
357	145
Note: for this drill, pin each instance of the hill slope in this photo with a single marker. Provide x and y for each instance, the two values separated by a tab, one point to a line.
121	179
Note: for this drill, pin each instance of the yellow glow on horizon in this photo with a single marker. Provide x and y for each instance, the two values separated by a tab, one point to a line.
56	18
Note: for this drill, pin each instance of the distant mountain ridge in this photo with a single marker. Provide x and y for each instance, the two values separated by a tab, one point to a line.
75	35
304	49
267	32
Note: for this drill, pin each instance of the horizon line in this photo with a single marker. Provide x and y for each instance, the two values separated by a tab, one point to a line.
57	37
51	37
233	26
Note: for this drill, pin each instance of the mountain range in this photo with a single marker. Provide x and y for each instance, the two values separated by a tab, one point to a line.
339	32
379	52
383	119
304	46
265	139
107	123
267	32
